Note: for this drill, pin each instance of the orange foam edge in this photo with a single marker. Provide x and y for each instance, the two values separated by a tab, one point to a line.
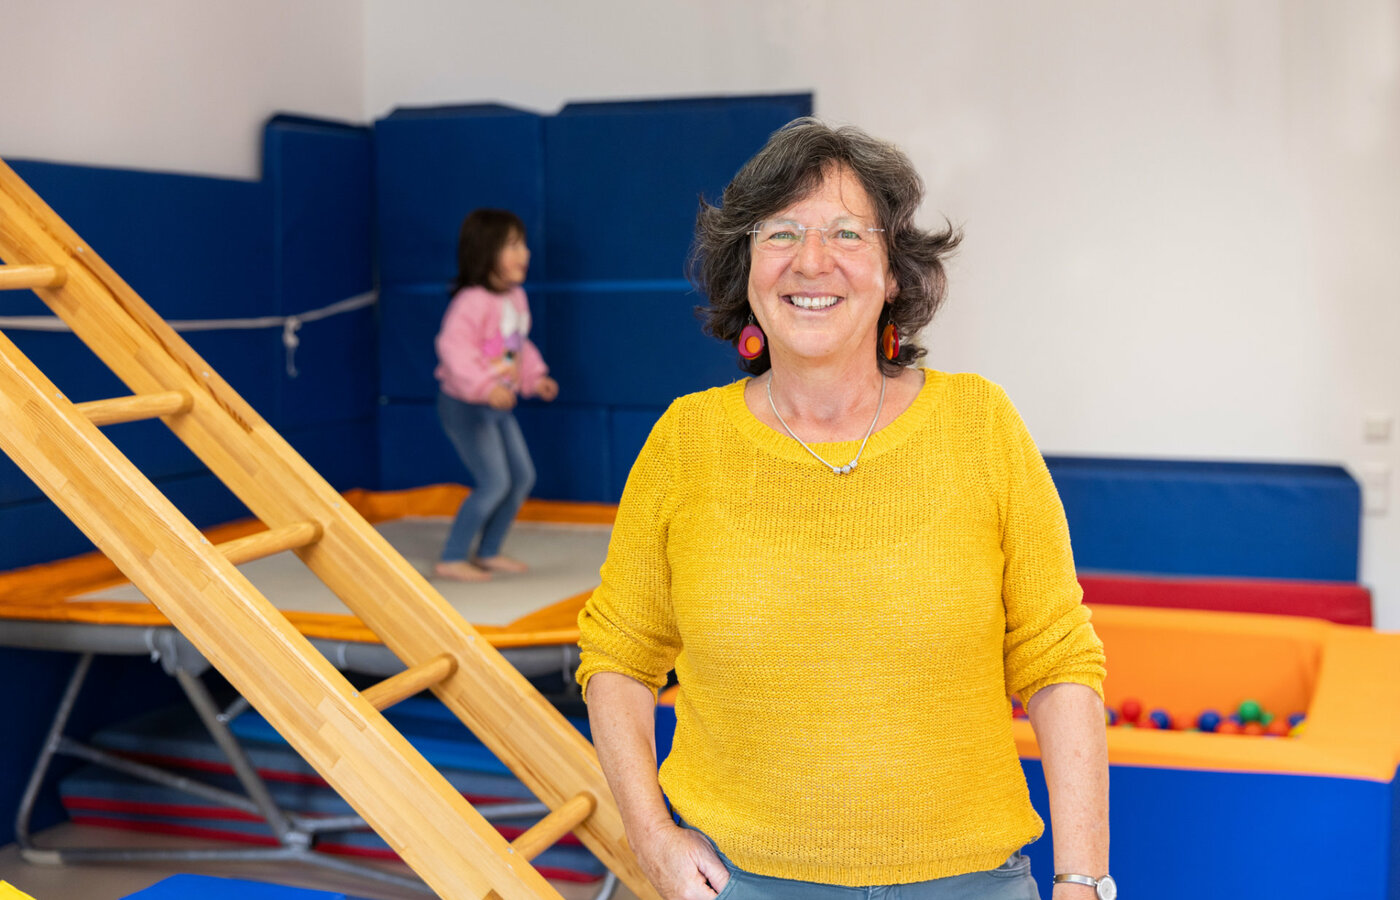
41	592
1346	677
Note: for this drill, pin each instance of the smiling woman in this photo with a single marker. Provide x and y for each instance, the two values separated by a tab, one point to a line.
798	544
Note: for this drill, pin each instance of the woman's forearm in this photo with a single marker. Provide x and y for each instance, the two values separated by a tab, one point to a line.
1069	726
622	716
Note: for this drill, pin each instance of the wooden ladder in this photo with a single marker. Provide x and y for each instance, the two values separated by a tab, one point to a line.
339	730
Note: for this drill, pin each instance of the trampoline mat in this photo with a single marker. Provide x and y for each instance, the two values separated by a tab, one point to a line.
564	544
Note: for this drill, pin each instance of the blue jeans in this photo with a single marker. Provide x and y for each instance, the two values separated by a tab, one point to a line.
1010	881
493	449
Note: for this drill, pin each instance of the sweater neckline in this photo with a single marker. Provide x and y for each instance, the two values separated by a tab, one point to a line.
781	444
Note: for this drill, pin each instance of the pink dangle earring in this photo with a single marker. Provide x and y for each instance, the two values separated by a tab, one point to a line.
889	341
751	340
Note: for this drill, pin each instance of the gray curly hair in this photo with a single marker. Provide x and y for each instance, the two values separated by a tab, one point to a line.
789	167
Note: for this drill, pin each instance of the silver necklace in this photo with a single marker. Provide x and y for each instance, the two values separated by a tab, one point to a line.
836	470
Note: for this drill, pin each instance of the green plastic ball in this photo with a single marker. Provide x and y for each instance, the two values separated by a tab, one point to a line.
1250	711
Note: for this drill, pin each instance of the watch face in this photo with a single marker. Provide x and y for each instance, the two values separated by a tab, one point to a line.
1107	888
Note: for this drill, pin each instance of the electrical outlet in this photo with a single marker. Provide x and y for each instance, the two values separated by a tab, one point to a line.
1375	481
1377	428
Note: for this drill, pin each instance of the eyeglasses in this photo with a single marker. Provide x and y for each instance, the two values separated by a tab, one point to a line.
781	237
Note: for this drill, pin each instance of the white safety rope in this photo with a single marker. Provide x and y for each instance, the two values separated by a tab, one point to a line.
290	325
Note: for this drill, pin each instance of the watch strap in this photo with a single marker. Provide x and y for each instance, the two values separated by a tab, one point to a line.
1077	879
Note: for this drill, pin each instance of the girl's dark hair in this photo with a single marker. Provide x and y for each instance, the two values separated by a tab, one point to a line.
789	167
485	232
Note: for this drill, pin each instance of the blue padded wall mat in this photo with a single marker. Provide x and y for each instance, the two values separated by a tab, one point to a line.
631	347
187	244
321	177
1172	517
432	167
569	445
409	317
196	247
635	173
609	193
1182	833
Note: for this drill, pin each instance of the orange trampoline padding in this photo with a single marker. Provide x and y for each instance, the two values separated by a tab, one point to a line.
43	592
1345	678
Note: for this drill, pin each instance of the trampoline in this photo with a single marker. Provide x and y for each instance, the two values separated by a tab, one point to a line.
85	605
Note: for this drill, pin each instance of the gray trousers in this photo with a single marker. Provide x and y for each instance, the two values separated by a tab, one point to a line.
1010	881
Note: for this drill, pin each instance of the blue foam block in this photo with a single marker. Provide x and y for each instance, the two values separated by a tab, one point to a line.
1175	517
432	729
205	887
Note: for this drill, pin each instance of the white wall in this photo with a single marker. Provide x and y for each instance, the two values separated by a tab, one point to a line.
1181	219
168	84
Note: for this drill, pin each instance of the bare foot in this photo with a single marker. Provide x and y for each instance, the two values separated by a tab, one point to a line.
461	571
502	564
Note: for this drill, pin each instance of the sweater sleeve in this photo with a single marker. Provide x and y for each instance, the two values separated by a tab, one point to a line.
462	370
1048	635
627	625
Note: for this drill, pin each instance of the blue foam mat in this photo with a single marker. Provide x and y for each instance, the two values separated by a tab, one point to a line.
205	887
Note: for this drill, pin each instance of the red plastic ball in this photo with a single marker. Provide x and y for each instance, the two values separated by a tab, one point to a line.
1130	710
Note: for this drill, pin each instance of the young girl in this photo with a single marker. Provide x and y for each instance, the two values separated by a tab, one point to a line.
486	361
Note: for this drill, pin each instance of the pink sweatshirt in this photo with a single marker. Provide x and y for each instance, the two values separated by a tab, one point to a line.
483	342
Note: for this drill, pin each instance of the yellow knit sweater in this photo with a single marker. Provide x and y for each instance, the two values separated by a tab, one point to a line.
845	645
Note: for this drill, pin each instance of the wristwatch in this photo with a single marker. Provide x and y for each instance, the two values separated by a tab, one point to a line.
1106	888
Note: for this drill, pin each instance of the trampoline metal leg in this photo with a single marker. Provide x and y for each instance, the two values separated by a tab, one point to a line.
607	888
52	742
243	768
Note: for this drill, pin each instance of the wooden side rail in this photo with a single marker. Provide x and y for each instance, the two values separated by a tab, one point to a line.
135	408
547	831
18	278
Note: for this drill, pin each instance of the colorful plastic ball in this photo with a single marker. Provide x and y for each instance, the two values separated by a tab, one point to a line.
1250	710
1209	720
1297	730
1228	726
1131	709
1266	718
1160	718
1277	728
1252	728
1295	718
1110	715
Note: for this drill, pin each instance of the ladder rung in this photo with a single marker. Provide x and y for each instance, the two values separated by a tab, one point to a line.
410	681
18	278
135	408
544	833
266	543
